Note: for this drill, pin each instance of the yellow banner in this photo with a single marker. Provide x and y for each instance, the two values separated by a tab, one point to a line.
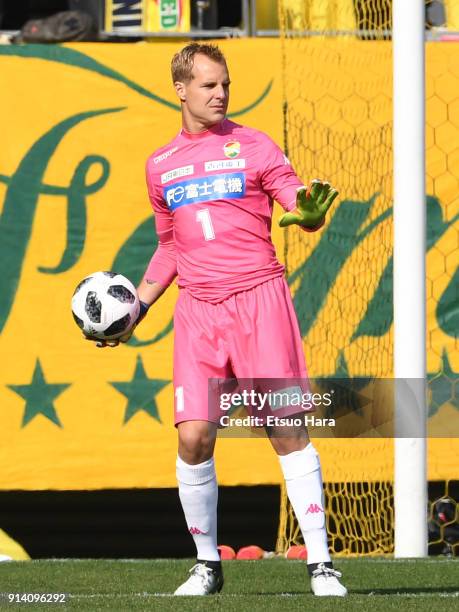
78	123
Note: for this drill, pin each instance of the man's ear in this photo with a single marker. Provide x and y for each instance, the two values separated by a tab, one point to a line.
180	90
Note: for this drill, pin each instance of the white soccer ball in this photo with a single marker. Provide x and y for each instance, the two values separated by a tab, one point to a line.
105	305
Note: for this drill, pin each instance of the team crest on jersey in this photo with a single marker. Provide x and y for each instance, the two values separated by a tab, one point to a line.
232	148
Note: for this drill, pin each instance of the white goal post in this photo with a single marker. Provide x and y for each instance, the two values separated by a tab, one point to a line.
410	478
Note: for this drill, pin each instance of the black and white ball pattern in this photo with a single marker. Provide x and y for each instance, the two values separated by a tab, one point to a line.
105	305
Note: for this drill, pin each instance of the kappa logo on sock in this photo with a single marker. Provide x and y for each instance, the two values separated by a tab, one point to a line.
196	531
314	509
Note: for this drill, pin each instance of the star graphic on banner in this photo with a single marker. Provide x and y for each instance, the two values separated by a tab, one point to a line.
346	390
442	385
39	396
141	392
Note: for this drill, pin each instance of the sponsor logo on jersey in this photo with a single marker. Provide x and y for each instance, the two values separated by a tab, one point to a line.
176	173
203	189
164	156
232	148
224	164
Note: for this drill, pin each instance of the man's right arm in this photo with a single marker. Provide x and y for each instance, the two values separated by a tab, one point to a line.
162	268
149	291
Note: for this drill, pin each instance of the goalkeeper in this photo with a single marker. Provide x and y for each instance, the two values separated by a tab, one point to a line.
212	190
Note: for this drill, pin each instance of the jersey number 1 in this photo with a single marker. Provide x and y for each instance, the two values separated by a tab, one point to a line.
203	217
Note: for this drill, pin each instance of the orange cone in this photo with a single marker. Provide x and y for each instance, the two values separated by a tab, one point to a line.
250	553
226	552
296	552
303	554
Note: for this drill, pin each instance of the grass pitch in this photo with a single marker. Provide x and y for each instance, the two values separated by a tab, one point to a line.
274	584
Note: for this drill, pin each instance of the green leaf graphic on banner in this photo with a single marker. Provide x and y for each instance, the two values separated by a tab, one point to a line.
72	57
379	314
443	386
436	226
133	257
76	210
320	271
448	308
24	189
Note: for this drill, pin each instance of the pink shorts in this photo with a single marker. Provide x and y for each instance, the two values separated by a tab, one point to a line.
252	334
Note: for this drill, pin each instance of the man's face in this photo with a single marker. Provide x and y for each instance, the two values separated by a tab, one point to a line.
206	96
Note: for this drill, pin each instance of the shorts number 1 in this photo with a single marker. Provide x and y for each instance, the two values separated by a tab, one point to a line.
203	217
179	399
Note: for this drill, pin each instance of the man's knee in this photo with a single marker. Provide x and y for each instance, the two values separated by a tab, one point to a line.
196	441
287	440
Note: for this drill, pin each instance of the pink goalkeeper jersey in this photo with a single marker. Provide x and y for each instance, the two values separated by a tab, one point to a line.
212	194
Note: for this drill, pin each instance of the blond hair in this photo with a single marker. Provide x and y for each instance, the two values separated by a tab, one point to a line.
183	61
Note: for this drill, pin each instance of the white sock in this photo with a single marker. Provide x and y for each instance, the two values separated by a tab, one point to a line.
303	479
198	492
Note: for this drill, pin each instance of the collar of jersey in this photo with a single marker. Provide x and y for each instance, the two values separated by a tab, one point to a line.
215	129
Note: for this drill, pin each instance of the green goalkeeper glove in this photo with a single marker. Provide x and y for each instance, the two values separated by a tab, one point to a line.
312	204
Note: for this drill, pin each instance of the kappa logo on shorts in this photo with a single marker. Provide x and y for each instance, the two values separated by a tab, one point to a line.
203	189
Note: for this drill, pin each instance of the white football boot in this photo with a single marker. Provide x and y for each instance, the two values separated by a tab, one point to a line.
325	583
203	580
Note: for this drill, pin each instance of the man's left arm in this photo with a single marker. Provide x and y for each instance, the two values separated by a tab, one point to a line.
305	206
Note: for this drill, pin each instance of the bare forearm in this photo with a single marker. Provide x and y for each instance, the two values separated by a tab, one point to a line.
150	291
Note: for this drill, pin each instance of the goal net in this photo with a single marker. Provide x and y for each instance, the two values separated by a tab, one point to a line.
337	86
